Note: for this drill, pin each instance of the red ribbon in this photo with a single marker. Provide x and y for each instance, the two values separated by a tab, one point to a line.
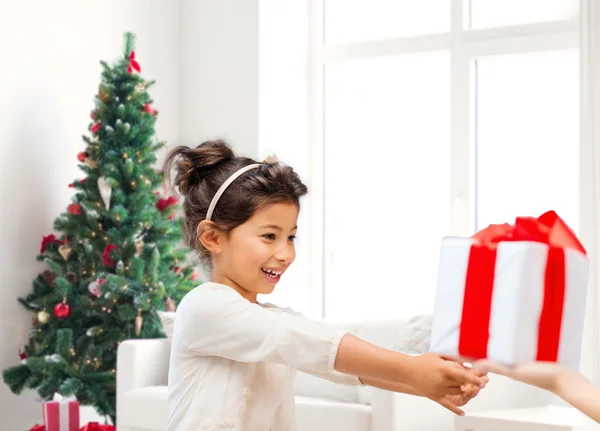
548	229
95	426
133	64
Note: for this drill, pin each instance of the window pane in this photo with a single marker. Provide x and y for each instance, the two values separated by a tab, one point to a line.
366	20
528	136
387	184
494	13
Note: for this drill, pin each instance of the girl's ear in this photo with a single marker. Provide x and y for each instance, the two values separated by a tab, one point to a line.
210	236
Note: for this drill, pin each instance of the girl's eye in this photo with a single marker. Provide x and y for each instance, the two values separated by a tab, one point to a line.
292	238
269	236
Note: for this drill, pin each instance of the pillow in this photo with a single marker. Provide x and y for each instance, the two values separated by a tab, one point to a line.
168	321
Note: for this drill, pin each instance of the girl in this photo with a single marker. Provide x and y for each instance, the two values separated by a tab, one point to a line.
232	358
567	384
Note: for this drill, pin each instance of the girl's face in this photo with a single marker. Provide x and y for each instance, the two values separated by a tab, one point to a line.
254	256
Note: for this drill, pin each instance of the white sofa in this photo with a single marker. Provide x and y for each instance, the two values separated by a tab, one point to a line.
142	369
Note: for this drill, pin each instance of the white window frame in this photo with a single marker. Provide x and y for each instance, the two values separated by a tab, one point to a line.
464	46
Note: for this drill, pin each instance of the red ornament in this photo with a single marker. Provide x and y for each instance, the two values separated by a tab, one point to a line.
22	355
195	274
106	255
74	209
163	203
133	64
95	127
82	156
172	216
149	109
62	310
47	240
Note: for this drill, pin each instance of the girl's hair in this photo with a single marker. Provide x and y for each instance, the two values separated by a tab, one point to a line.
200	171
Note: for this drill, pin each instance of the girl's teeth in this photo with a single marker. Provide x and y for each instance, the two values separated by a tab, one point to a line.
270	273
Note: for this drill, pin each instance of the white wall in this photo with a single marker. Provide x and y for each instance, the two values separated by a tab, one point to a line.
49	73
219	73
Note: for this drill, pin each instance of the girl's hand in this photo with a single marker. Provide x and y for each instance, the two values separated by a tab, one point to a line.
468	391
545	375
437	377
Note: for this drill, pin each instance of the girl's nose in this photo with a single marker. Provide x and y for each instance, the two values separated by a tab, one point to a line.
285	253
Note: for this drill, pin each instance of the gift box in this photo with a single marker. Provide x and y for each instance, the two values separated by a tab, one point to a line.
512	293
61	415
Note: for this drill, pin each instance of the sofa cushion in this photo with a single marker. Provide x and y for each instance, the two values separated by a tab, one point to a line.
321	414
145	408
311	386
168	322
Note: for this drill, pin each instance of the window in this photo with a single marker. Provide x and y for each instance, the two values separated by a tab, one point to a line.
432	118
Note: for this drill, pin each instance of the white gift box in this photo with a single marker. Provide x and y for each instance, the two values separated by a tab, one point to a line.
513	310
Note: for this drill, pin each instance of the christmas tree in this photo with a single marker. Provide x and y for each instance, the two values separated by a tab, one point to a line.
114	260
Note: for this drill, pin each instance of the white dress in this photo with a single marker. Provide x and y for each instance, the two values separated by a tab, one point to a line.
233	362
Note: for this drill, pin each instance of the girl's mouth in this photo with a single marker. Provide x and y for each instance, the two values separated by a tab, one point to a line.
272	275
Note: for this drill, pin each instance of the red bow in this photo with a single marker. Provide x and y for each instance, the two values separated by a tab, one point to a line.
47	240
548	229
95	426
133	64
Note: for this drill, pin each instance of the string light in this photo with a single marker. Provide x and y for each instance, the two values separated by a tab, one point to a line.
125	155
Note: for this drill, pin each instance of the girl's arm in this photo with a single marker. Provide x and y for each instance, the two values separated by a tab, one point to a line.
429	375
402	388
568	384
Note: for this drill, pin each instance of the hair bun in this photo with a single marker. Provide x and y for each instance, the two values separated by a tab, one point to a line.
195	164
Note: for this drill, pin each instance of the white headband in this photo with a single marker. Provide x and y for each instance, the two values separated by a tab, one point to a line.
232	178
